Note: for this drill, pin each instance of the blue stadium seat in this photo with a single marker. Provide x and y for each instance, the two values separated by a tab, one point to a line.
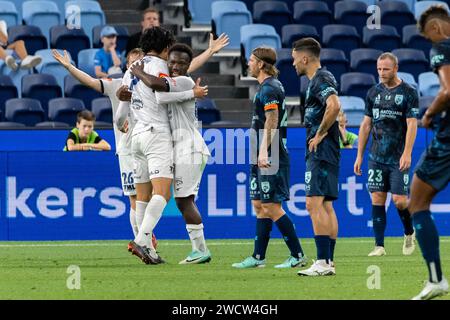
351	13
275	13
31	35
412	60
356	84
53	124
255	35
90	12
429	84
315	13
86	61
102	109
385	39
9	13
408	78
414	40
410	4
207	111
335	61
42	13
74	89
65	110
228	17
61	6
26	111
421	6
122	37
50	66
7	91
353	108
72	40
396	13
293	32
200	11
424	103
42	87
288	76
18	4
365	60
16	77
342	37
2	67
11	125
367	2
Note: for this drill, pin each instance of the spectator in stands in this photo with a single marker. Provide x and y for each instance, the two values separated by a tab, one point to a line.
107	60
150	18
83	137
347	139
18	51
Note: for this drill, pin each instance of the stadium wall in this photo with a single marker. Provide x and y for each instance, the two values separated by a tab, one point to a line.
47	194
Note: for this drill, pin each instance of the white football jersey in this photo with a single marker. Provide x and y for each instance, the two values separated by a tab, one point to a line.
123	140
144	107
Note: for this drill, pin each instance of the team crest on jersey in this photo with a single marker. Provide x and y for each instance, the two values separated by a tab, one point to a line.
377	99
406	178
376	113
398	99
265	186
307	177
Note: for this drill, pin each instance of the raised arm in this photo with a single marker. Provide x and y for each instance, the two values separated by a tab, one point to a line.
214	46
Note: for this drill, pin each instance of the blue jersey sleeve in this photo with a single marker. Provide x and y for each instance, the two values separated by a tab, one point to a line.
327	87
412	110
440	55
269	98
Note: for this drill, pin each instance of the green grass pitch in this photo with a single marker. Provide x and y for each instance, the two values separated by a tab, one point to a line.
38	270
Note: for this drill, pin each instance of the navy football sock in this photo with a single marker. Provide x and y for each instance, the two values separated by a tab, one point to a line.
263	228
379	224
287	229
323	247
428	238
406	220
332	246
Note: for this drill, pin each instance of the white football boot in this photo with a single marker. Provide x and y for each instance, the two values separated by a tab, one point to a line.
377	252
433	290
409	244
318	268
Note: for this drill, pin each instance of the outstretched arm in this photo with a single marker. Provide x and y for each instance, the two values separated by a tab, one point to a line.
214	46
182	89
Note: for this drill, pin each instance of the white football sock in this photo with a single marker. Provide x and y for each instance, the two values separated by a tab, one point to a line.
133	222
140	212
197	237
153	213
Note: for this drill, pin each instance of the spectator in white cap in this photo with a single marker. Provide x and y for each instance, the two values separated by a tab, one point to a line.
107	60
10	52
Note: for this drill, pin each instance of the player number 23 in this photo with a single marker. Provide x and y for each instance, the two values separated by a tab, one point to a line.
377	173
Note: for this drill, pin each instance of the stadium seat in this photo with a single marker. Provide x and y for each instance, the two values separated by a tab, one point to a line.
288	75
65	110
353	13
61	6
122	37
293	32
385	39
9	13
42	13
428	84
356	84
228	17
255	35
41	87
3	67
53	124
72	40
200	11
102	109
50	66
11	125
421	6
365	60
424	103
16	77
412	60
396	13
7	91
414	40
26	111
74	89
90	13
342	37
335	61
275	13
408	78
353	108
86	61
31	35
367	2
207	111
315	13
410	4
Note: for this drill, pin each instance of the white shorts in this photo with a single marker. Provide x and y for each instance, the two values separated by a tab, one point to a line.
152	155
126	174
188	174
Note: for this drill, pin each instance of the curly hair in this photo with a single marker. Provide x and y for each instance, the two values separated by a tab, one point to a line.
156	39
432	12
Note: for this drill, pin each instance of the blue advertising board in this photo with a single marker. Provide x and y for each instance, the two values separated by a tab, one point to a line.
47	194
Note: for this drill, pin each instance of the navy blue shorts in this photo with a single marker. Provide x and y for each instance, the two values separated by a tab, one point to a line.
321	179
272	188
387	178
434	167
